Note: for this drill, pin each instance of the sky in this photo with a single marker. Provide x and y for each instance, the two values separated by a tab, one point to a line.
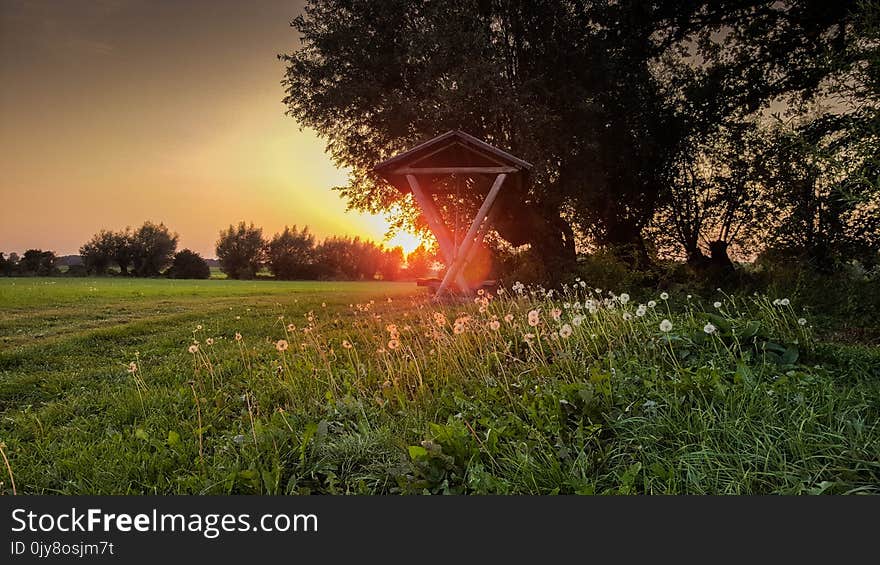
113	112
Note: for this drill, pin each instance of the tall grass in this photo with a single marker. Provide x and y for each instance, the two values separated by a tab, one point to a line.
530	391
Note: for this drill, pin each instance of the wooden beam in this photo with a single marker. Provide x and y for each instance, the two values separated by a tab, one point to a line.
460	260
481	233
453	170
435	223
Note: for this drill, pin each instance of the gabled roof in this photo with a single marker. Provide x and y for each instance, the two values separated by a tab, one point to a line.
450	150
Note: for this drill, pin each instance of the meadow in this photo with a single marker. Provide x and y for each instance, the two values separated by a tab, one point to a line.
132	386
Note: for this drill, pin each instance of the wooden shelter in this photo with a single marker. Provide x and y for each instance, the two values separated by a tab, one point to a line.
424	171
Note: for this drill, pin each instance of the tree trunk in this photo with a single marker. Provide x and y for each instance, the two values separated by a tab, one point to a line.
720	264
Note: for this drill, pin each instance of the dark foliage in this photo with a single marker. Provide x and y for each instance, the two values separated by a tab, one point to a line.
189	265
241	251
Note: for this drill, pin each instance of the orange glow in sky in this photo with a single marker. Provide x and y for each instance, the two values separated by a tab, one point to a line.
113	112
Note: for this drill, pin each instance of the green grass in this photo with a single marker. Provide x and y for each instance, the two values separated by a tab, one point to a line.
373	395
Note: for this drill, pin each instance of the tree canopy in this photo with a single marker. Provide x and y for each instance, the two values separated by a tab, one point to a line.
614	102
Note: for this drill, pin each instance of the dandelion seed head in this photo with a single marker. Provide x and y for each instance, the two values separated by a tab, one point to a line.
716	304
709	328
193	348
565	331
281	345
664	296
534	318
665	326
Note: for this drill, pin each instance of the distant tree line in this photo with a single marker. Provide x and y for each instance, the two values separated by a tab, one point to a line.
243	253
33	262
294	253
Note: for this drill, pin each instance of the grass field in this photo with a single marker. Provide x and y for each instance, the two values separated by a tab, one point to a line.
115	386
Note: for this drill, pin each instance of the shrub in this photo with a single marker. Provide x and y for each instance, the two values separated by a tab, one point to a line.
189	265
76	271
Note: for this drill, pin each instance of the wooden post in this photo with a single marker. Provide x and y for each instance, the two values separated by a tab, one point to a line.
435	222
461	258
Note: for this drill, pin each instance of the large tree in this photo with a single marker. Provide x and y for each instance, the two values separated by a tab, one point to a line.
603	97
152	249
241	251
291	254
98	252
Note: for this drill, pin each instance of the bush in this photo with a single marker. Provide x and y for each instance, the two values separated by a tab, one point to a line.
76	271
604	269
189	265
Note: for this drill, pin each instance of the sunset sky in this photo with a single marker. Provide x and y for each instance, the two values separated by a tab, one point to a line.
113	112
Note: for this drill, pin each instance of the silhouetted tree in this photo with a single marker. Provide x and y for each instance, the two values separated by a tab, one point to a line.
98	253
337	259
123	249
189	265
241	251
713	197
291	254
36	262
152	249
